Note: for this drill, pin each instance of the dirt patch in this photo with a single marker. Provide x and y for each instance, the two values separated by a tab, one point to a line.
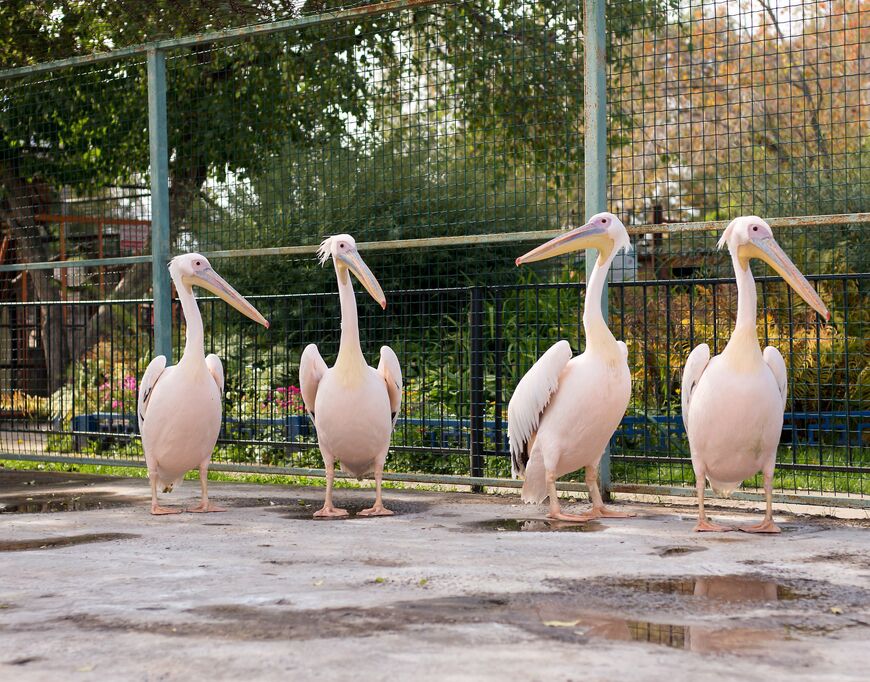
855	559
63	541
663	612
533	526
24	660
47	503
384	563
677	550
303	508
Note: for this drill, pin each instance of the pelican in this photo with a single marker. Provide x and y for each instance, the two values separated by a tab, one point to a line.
565	409
179	407
733	404
353	406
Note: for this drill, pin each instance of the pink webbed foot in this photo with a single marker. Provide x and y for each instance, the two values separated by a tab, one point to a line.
205	509
377	510
705	526
330	513
605	513
766	526
157	510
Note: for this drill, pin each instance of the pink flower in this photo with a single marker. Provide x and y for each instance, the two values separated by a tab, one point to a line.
130	383
116	403
280	389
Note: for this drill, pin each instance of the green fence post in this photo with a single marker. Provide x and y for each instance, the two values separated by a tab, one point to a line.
159	147
595	149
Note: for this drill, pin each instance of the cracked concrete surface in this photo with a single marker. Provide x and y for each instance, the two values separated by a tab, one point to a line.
454	587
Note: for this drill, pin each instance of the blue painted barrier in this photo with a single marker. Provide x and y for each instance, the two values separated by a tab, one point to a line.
651	432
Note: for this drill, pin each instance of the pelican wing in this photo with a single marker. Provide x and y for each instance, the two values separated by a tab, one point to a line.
530	398
213	362
311	371
390	370
149	380
774	360
696	363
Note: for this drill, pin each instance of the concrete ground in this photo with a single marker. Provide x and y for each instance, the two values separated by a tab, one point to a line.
454	587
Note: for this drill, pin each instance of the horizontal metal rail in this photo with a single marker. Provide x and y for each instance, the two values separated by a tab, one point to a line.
436	242
226	35
83	263
833	500
628	284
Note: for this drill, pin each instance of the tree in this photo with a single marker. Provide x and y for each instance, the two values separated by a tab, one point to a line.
87	127
233	109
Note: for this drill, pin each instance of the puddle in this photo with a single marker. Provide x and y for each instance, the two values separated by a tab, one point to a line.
700	639
46	503
535	526
727	588
677	550
63	541
303	509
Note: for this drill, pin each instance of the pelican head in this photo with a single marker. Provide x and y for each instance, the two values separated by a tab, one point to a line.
750	237
193	269
604	231
342	249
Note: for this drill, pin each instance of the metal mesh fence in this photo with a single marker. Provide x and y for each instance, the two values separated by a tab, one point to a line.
459	124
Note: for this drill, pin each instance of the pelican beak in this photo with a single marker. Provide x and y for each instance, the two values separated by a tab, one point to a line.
587	236
209	279
771	253
354	262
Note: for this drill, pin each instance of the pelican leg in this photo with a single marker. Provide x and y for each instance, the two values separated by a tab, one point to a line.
156	509
205	506
598	508
556	512
703	524
378	509
766	526
329	511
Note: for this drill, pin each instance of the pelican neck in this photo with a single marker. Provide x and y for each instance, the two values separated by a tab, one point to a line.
598	335
349	350
744	338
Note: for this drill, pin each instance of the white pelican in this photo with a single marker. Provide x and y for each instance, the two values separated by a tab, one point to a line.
733	404
565	409
179	407
353	406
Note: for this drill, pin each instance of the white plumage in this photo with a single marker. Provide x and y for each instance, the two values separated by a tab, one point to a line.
179	408
733	403
354	406
565	410
531	396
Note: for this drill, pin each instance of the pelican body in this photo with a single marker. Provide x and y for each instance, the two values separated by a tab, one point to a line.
179	408
733	404
565	409
353	406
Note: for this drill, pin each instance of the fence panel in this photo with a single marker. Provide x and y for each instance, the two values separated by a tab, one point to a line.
448	138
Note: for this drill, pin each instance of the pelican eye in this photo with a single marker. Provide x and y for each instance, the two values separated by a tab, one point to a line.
755	228
198	263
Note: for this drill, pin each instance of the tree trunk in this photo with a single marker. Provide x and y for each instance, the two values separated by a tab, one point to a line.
183	190
22	203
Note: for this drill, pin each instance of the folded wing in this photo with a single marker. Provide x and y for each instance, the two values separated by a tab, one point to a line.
695	366
149	380
311	371
530	398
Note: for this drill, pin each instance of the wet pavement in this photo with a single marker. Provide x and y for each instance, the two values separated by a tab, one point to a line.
454	586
